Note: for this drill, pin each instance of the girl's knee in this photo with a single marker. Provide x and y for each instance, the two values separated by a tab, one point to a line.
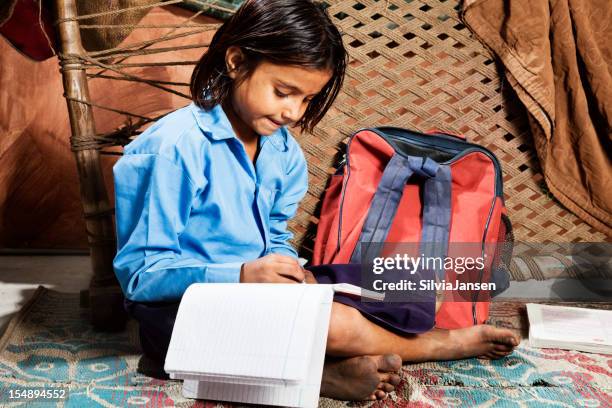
343	328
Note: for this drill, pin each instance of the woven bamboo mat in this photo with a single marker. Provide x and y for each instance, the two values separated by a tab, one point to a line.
414	64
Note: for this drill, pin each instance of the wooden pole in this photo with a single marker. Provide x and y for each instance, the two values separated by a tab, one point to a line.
105	297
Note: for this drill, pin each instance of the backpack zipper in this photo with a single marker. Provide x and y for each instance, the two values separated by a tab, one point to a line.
449	144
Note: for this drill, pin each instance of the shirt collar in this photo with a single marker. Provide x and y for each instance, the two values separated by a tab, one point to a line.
217	126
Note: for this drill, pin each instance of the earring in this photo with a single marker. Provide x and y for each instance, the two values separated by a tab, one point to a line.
232	70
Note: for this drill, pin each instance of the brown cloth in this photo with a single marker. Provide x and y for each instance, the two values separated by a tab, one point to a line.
128	14
105	38
557	56
40	204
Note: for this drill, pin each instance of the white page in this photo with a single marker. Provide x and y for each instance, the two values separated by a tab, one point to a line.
247	331
357	291
570	325
304	394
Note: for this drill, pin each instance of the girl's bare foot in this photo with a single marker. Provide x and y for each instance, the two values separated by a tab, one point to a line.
360	378
477	341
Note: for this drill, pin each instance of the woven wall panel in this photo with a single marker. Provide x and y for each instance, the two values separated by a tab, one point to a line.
414	64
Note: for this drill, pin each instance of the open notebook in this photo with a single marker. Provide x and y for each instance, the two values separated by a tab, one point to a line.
253	343
571	328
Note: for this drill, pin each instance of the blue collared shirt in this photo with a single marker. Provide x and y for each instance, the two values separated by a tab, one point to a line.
191	206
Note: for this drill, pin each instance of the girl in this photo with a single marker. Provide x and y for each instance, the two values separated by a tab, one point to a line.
204	195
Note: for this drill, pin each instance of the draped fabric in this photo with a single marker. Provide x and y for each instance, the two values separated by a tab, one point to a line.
29	24
557	56
40	204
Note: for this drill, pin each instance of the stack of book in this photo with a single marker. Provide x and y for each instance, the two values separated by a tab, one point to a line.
570	328
253	343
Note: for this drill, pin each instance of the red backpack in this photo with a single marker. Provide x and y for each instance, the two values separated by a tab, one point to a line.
397	185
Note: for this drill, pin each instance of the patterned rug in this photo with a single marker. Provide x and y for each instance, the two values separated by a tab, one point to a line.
51	345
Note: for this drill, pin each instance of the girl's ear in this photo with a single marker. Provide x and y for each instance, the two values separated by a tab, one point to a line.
234	58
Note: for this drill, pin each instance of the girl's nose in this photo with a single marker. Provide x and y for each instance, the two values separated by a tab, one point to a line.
292	111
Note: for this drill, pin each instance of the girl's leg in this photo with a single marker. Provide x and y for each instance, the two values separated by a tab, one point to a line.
156	321
351	334
355	378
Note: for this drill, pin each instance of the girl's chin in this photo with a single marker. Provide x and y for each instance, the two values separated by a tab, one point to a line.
267	129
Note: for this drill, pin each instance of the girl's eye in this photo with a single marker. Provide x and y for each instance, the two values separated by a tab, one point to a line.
280	94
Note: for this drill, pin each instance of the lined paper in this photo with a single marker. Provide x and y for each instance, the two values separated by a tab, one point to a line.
252	343
303	394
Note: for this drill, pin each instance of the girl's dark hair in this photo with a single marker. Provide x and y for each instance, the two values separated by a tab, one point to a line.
283	32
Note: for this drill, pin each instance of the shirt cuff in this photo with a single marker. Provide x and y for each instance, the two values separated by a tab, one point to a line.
223	273
283	250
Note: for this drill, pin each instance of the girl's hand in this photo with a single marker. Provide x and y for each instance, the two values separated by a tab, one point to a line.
309	277
273	268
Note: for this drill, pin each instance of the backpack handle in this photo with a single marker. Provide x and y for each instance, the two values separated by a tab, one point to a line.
436	205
